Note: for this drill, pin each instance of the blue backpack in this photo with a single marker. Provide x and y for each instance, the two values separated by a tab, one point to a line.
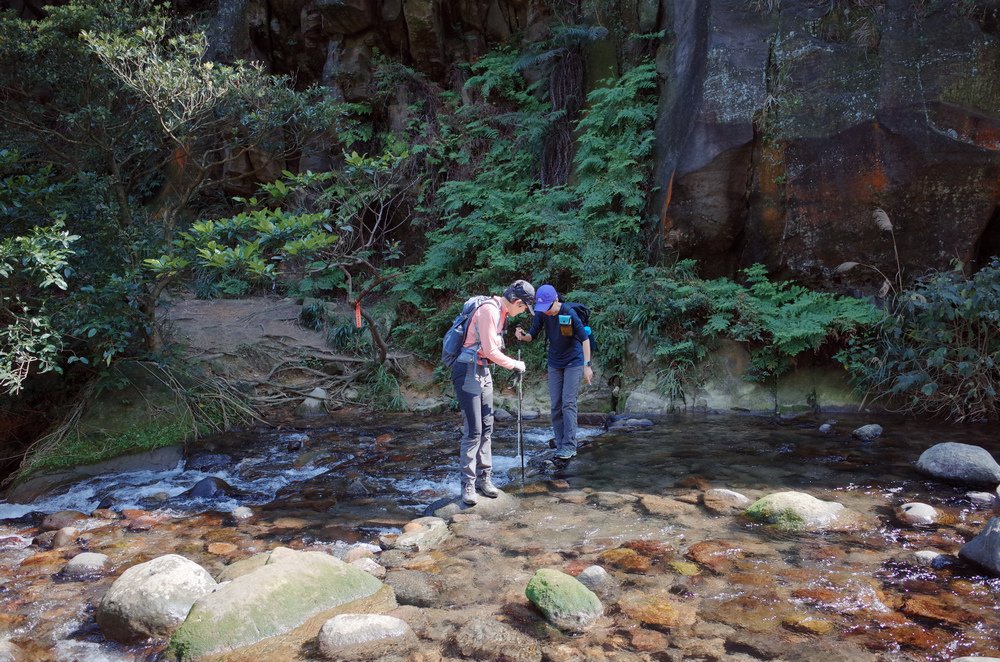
454	338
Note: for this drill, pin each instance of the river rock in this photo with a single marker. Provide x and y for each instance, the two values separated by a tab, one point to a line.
917	513
414	587
960	463
314	404
11	652
87	564
370	566
621	424
981	499
795	511
289	590
209	462
565	602
975	659
722	501
61	520
595	578
363	636
984	549
151	599
869	432
241	514
496	508
931	558
208	488
359	551
488	639
64	537
642	402
422	534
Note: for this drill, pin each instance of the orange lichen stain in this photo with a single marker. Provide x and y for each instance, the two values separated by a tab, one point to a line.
179	158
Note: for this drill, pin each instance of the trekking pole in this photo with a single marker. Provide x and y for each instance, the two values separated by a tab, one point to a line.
520	439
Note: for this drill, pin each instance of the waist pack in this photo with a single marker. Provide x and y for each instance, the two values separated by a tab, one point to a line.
454	338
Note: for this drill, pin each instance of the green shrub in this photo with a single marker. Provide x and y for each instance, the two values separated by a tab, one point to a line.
938	354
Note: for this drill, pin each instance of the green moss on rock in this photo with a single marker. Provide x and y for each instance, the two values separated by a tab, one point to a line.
565	602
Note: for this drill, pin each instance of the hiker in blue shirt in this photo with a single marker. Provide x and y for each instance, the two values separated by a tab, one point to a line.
569	362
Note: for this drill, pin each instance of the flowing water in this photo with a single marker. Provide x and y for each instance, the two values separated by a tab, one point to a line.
689	583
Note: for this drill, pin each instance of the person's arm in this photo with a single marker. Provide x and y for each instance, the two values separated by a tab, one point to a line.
488	319
537	322
580	333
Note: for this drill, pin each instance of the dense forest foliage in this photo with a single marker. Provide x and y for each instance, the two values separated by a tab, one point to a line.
133	167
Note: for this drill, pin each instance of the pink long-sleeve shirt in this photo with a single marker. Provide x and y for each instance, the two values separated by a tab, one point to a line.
488	321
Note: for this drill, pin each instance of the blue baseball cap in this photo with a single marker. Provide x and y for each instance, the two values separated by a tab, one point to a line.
545	297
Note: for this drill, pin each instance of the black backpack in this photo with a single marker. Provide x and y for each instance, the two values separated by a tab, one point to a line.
584	314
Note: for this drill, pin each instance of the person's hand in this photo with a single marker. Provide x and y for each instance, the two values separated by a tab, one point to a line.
588	374
521	335
519	366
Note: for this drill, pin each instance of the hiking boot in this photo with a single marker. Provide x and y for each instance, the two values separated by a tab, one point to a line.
469	497
486	487
566	454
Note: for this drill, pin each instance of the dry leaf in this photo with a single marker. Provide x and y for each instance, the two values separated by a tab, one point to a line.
846	266
884	290
882	220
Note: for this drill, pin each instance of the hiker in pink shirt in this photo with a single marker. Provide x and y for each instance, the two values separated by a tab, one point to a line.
474	384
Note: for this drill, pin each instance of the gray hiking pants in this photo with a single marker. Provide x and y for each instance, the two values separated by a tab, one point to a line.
474	390
564	384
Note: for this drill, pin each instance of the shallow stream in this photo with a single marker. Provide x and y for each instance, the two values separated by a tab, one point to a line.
738	590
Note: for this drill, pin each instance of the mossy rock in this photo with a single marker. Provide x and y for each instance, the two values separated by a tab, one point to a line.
795	511
564	600
292	588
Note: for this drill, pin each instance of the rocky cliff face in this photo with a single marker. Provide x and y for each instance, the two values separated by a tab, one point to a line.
782	125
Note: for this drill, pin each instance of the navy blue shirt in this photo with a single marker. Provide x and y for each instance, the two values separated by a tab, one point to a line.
565	351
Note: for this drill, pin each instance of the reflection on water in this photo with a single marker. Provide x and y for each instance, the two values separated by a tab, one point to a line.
324	487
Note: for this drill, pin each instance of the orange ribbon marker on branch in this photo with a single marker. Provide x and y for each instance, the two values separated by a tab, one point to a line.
357	313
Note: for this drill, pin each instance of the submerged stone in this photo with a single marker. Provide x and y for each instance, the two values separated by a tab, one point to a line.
869	432
487	639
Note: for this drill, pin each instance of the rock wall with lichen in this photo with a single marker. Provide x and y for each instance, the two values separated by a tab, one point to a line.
782	123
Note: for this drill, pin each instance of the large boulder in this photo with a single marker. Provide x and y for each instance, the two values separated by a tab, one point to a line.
152	599
290	589
565	602
959	463
984	549
795	511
